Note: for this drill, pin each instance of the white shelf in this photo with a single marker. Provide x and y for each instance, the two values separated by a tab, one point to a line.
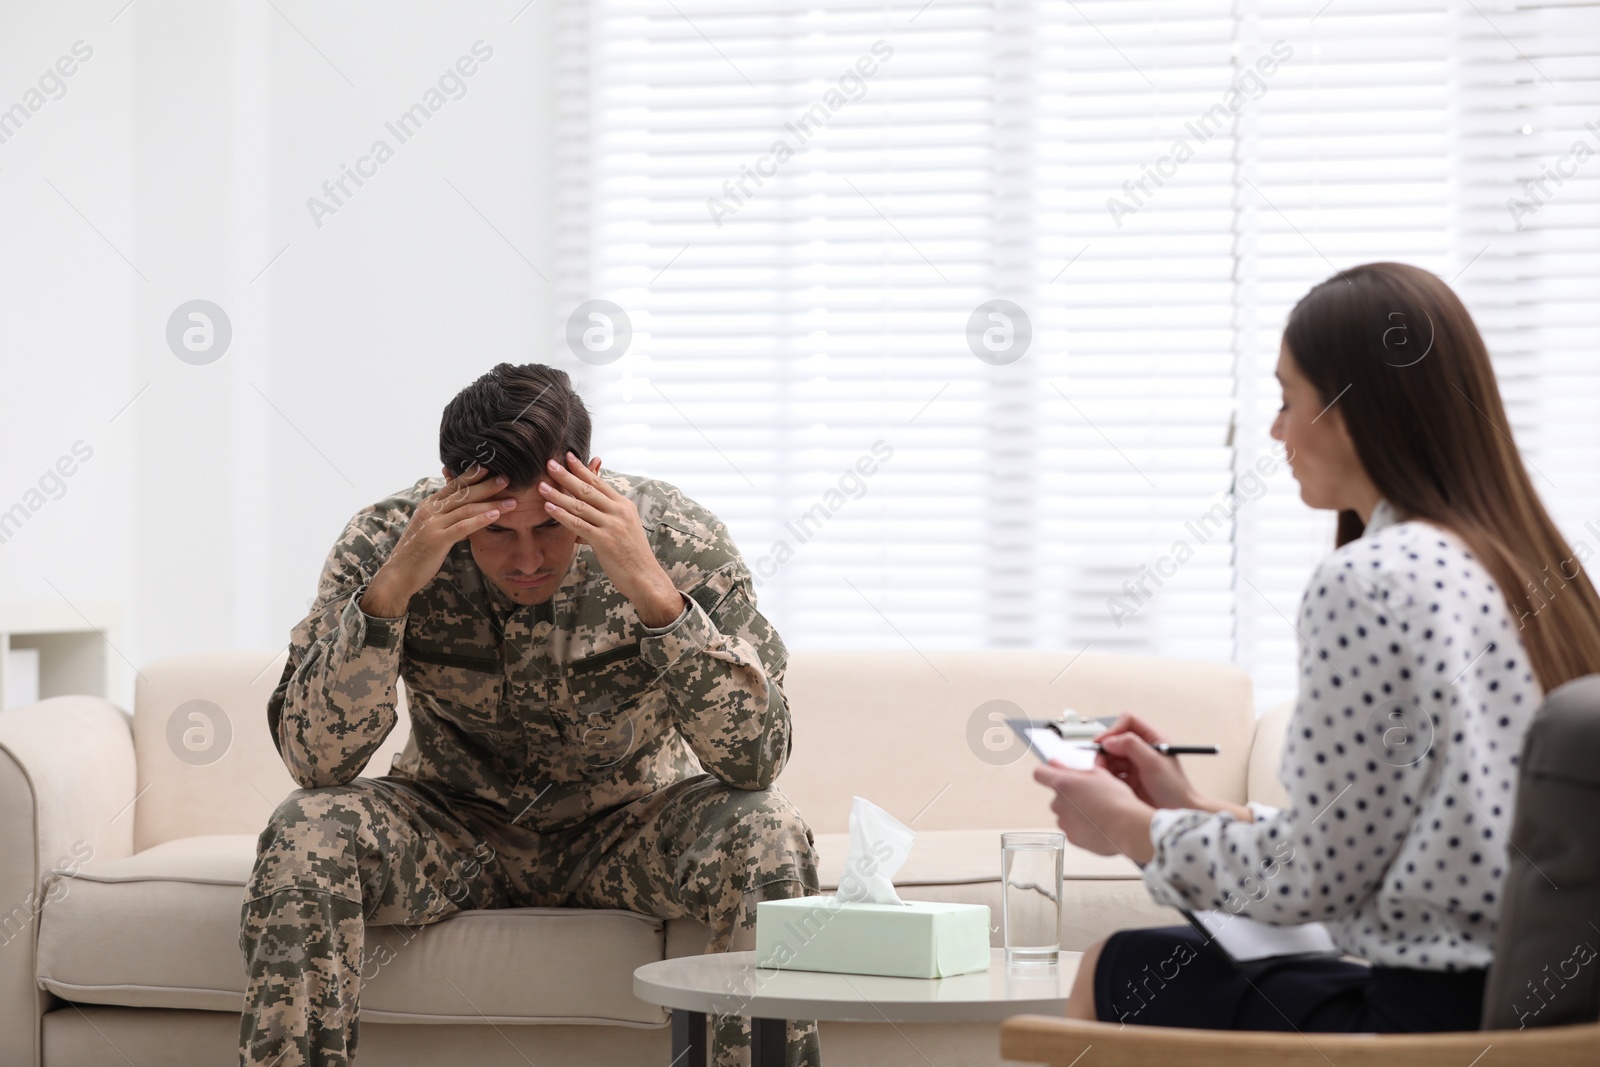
75	645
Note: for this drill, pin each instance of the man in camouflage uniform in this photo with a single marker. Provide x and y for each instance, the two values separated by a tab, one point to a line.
597	717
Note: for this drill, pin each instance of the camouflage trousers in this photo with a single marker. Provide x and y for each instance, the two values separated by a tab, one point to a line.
389	851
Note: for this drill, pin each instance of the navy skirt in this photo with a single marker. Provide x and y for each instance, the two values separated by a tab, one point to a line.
1173	976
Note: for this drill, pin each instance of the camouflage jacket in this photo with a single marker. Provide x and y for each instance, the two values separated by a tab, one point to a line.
555	711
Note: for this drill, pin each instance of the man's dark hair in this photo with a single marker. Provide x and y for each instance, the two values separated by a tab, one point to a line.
512	421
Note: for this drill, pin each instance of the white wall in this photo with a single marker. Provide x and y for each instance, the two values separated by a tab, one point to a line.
191	140
68	307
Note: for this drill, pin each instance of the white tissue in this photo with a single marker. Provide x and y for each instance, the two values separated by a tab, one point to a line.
879	844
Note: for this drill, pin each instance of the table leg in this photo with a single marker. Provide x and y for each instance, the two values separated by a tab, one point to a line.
768	1038
688	1038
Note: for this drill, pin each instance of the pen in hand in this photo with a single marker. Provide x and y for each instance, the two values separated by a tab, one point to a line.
1166	749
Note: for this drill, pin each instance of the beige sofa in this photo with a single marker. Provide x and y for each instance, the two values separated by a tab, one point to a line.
122	865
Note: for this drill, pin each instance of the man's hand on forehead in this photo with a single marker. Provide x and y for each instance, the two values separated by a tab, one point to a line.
578	498
475	475
462	506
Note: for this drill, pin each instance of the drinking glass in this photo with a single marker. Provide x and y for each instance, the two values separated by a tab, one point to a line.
1030	878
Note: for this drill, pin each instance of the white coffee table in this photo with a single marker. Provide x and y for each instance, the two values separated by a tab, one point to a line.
730	983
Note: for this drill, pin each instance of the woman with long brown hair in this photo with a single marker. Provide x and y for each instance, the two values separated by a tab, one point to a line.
1449	607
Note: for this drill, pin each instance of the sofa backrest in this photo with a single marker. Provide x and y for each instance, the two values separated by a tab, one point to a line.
914	735
1266	756
219	784
918	735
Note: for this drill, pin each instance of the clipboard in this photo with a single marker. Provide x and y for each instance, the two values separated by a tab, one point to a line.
1047	739
1244	942
1251	945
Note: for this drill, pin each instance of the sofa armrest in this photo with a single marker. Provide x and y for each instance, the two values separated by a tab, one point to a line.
1266	755
67	779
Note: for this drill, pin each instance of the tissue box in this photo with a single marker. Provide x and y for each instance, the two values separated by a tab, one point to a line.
917	939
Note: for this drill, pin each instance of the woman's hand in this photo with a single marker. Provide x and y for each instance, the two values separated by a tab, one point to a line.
1097	811
1155	779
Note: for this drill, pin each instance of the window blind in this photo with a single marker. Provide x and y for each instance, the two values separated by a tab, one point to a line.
1347	161
1405	136
963	316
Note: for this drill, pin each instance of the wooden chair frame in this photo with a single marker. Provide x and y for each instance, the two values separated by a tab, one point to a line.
1066	1042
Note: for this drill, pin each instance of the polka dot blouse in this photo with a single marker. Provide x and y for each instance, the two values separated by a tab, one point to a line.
1400	763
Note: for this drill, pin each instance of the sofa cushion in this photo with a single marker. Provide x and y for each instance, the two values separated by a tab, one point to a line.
160	929
1100	894
957	857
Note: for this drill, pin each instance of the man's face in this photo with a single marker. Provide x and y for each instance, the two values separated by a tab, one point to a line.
525	552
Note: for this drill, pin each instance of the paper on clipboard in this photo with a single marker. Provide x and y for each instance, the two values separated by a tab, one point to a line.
1051	746
1248	941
